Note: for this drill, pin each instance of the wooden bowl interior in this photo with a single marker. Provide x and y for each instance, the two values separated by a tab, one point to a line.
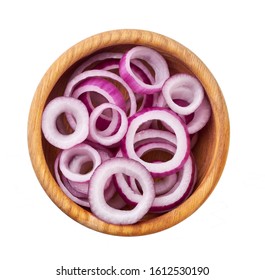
204	148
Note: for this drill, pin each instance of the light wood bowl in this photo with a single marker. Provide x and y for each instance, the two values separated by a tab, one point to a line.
210	152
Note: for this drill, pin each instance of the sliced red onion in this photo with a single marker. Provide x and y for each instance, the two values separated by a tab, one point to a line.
194	139
110	61
79	190
161	186
140	151
154	59
112	139
106	123
142	72
53	110
69	154
179	192
200	118
103	87
174	197
72	84
79	197
155	135
65	185
108	64
96	58
165	183
97	201
184	87
102	121
138	68
75	166
104	152
181	134
117	202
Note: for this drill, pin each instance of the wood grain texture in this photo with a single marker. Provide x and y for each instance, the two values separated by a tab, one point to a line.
210	152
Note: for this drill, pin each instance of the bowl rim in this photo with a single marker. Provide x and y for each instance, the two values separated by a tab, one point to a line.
96	43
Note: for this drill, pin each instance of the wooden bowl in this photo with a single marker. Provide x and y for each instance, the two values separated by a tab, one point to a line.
210	152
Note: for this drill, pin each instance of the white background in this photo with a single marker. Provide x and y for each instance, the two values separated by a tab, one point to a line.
227	232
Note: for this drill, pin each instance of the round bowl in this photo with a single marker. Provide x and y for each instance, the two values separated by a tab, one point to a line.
210	152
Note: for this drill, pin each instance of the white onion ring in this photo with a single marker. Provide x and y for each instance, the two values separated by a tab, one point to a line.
53	110
97	135
154	59
184	87
97	201
69	154
181	134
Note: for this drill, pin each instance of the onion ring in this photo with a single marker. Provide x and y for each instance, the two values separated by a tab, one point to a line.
105	74
154	59
97	201
53	110
64	185
181	134
112	139
69	154
184	87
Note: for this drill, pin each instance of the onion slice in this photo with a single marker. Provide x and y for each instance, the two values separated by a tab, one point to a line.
179	192
186	88
98	203
53	110
96	58
154	59
69	154
181	134
200	118
65	186
175	196
103	87
72	84
112	139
